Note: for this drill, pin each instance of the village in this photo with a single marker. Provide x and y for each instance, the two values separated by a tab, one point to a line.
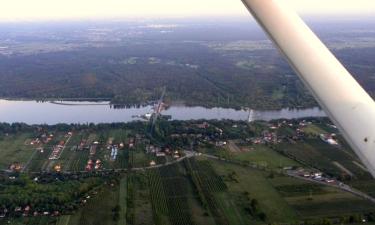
73	151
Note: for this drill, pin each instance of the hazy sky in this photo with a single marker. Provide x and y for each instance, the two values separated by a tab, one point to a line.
89	9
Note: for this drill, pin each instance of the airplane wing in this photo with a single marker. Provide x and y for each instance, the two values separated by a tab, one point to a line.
346	103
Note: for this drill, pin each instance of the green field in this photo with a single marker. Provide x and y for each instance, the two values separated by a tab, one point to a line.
15	148
259	188
286	199
264	156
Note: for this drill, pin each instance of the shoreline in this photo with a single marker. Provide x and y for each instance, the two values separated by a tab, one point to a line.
178	103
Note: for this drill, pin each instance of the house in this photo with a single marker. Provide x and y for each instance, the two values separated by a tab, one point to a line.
57	168
160	154
220	143
329	138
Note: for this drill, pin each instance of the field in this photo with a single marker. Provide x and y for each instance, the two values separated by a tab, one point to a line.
241	180
287	199
316	153
314	200
13	148
266	157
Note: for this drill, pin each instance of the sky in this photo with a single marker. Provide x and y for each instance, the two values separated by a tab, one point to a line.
15	10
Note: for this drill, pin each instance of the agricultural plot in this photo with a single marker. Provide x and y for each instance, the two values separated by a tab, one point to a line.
243	180
176	190
367	186
285	199
14	148
316	153
174	198
138	206
140	158
99	210
314	200
266	157
123	201
212	192
39	161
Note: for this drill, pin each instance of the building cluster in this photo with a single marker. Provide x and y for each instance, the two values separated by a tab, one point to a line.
57	150
329	138
42	139
314	175
15	167
27	212
161	153
93	164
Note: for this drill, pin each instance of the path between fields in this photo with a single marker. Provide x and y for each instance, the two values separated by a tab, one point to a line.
29	161
343	169
360	166
233	147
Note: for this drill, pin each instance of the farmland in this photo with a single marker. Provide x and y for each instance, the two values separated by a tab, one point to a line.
214	172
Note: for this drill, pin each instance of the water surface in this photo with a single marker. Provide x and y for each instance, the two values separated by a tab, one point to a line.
32	112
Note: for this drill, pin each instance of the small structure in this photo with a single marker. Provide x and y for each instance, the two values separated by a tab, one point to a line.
160	154
114	153
329	138
57	168
15	167
98	164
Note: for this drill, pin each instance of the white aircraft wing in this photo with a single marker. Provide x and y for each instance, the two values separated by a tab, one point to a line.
346	103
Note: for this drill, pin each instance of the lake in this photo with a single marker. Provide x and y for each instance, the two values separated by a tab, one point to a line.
33	112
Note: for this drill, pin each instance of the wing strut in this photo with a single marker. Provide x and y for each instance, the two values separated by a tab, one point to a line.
338	93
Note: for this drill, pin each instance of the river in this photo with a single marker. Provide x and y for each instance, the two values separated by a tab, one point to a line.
32	112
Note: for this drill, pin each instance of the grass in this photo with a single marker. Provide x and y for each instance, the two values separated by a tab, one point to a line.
265	156
14	149
329	205
122	201
316	153
310	155
314	129
98	210
318	201
142	205
232	212
255	183
63	220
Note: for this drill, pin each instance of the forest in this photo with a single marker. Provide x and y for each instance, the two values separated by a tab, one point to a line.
132	65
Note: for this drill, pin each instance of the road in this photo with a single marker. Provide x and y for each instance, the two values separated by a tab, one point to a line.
341	186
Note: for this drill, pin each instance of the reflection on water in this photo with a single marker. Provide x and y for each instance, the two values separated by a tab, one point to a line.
32	112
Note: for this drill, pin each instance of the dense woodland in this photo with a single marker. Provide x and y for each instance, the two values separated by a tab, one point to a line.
188	62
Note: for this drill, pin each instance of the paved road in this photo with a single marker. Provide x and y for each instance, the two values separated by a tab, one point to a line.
340	186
